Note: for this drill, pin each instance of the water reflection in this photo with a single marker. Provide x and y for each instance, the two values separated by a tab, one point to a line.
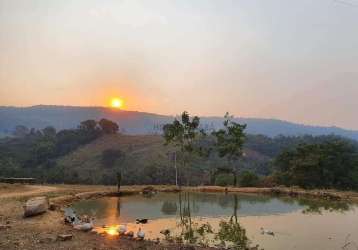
164	205
229	234
207	219
169	208
319	206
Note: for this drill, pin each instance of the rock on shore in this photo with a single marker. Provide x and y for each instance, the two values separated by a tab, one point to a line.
36	206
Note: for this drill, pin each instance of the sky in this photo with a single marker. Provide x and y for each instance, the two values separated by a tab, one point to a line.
294	60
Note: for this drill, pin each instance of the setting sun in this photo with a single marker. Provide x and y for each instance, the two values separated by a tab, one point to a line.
116	103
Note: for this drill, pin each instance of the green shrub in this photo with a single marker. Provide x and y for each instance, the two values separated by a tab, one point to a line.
248	179
224	180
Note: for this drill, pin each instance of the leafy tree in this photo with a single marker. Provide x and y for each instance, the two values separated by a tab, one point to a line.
182	135
44	149
224	180
108	126
55	175
67	140
230	141
88	125
21	131
9	167
248	179
332	164
49	132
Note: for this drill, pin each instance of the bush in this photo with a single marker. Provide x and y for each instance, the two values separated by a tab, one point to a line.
248	179
268	181
224	180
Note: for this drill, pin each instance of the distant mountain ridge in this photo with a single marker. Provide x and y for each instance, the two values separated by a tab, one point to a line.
133	122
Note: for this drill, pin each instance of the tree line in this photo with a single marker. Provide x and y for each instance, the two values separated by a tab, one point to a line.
331	164
32	150
306	161
190	156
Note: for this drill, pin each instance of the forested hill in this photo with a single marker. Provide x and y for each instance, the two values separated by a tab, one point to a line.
132	122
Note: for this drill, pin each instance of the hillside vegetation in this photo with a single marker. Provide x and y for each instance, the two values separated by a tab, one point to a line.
92	154
142	159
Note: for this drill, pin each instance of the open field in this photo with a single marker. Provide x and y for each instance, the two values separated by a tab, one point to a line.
40	232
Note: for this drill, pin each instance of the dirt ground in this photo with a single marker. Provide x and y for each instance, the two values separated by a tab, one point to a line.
41	232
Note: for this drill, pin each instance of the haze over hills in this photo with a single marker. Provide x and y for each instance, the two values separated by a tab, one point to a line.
133	122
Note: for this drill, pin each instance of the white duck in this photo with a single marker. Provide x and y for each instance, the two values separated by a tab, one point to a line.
87	226
265	231
140	234
122	229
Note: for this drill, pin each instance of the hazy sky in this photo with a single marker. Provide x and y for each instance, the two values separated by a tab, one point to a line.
295	60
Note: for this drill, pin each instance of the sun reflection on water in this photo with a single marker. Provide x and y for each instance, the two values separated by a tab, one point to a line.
113	230
107	230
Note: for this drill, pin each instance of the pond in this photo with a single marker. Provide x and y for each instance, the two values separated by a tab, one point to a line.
217	219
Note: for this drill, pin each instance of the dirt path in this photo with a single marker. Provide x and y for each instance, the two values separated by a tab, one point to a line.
29	191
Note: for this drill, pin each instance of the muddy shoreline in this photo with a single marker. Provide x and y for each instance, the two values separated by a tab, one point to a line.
334	195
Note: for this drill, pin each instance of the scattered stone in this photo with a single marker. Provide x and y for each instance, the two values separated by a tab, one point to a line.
129	234
148	190
4	227
47	239
64	237
53	207
36	206
165	232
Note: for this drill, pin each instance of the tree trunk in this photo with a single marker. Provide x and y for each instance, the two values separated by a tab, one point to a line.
176	169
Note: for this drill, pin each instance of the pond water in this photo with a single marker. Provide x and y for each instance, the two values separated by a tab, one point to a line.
228	219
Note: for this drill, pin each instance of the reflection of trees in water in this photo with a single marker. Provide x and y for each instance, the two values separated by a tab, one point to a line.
319	205
224	201
316	205
169	208
230	232
253	199
96	208
185	216
118	207
286	199
227	200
